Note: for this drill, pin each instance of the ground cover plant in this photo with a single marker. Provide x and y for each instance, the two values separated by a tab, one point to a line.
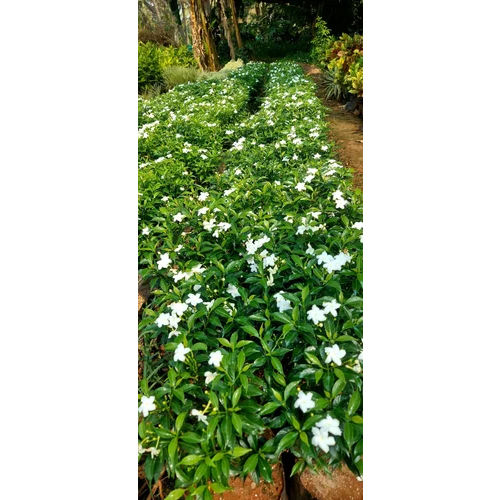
250	237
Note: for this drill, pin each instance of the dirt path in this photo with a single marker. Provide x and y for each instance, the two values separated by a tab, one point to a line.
346	130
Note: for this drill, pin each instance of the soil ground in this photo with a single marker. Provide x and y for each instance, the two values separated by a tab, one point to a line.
346	129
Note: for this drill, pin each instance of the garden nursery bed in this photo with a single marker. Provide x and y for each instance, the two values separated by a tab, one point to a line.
250	332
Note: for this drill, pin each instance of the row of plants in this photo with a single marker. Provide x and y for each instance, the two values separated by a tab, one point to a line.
342	58
250	237
162	67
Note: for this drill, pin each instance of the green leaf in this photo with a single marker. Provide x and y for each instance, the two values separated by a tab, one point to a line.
287	441
298	468
236	396
237	423
265	470
225	342
250	464
269	407
172	451
290	387
277	364
191	460
337	388
200	473
175	494
305	294
241	360
190	437
179	421
250	330
354	403
238	451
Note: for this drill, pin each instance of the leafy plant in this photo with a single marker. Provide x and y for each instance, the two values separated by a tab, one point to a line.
250	237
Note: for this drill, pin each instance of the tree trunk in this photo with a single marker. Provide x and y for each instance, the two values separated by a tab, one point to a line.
227	31
235	24
203	42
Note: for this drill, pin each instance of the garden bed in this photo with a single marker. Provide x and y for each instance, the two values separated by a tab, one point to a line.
252	333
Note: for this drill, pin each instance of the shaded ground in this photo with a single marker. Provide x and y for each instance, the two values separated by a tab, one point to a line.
346	130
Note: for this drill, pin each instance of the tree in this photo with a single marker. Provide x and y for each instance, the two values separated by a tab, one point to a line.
227	32
235	24
203	42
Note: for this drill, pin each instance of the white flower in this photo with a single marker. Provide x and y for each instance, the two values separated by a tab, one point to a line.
282	303
167	319
180	353
310	250
209	225
316	315
203	211
322	439
199	416
164	198
178	217
288	218
269	261
203	196
178	308
304	401
209	376
360	357
324	148
147	405
340	203
224	226
196	287
323	257
164	261
331	307
194	299
237	171
312	171
357	225
154	451
317	156
178	248
215	358
315	215
174	333
227	192
300	186
334	354
145	230
330	425
308	178
198	269
233	291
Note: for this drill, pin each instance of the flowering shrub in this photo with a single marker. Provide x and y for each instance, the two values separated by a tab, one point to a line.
250	237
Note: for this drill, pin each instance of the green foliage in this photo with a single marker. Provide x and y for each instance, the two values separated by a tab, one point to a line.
241	206
283	30
175	75
343	60
154	61
321	42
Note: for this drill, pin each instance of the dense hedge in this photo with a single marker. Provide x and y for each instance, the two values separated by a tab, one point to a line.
251	238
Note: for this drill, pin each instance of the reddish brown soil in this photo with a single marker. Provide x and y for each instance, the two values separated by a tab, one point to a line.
249	490
346	129
340	485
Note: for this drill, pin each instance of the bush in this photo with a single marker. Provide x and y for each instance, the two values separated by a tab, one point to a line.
153	60
250	238
343	58
175	75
